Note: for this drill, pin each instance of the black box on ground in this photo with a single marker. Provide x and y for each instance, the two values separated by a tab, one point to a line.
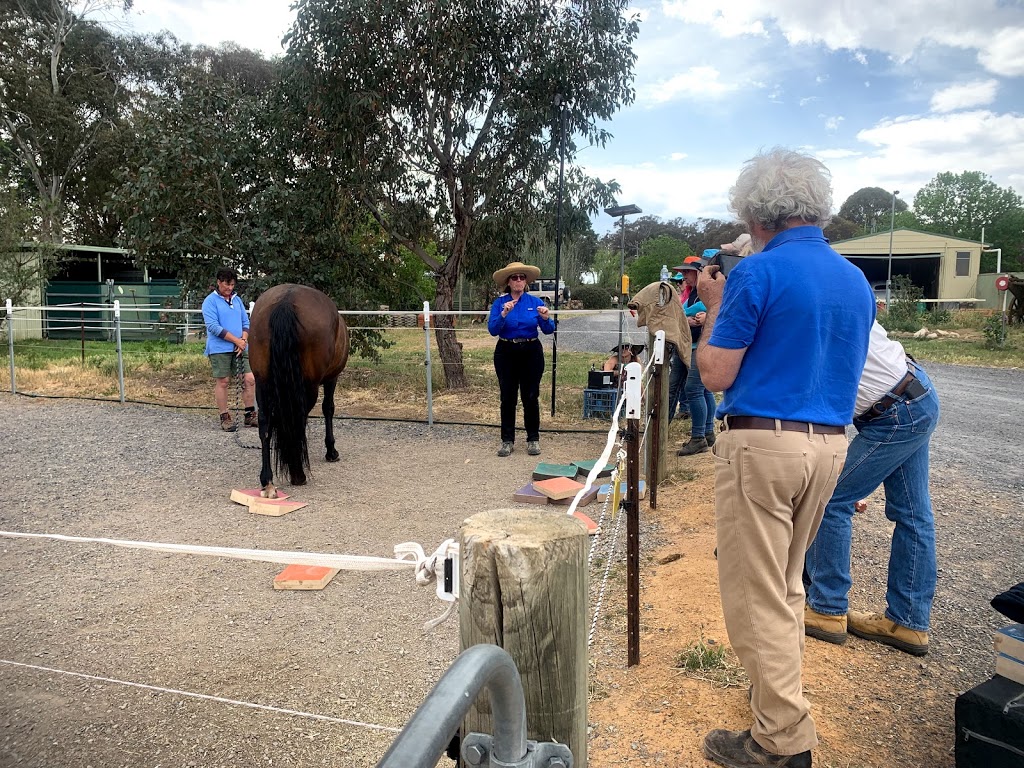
990	725
599	380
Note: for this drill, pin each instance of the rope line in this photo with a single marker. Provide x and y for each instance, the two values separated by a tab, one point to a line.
205	697
344	562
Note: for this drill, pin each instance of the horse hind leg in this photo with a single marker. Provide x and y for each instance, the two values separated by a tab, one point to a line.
267	488
328	409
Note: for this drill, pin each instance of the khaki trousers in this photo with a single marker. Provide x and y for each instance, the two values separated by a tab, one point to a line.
771	488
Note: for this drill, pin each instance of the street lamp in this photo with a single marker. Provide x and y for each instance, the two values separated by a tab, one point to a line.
622	211
892	222
560	106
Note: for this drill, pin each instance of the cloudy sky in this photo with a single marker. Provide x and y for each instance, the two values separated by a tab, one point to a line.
886	93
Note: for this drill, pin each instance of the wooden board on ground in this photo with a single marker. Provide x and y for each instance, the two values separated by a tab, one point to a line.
585	499
584	467
529	495
606	489
558	487
275	507
249	496
548	471
305	577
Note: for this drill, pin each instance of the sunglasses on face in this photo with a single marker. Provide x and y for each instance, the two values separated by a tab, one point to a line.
518	277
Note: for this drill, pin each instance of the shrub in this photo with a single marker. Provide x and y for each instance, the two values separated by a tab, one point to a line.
902	313
593	297
993	330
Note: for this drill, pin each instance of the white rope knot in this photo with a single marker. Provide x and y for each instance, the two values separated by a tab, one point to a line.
430	568
427	566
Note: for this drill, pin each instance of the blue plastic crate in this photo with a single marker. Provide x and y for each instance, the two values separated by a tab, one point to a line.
599	403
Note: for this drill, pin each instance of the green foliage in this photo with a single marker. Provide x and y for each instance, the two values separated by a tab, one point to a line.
593	297
644	271
903	313
871	209
439	116
66	82
962	204
936	316
702	656
667	250
698	235
22	271
993	331
842	229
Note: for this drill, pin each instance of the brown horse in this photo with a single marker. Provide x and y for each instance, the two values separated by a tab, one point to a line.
297	342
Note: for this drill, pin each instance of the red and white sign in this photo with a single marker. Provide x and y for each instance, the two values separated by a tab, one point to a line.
1002	282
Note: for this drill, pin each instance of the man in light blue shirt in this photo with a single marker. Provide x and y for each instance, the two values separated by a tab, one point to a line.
227	347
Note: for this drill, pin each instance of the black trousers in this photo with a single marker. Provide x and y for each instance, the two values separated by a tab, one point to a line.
519	368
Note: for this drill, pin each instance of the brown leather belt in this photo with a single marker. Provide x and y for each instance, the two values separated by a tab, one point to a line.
761	422
909	385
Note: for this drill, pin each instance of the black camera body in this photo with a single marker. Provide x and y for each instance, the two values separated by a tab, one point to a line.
725	261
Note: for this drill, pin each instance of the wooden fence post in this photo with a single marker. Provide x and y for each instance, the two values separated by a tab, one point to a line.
524	587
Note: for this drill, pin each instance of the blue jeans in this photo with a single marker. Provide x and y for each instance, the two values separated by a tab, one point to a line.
701	401
676	376
891	450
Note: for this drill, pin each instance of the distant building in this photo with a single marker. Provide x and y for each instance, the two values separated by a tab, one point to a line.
945	268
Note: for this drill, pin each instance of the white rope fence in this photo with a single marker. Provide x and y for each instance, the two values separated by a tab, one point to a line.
204	696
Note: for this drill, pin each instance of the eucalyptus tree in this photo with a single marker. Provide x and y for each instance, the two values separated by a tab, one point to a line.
439	114
63	82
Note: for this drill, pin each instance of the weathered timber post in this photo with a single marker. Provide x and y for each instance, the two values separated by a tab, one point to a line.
524	587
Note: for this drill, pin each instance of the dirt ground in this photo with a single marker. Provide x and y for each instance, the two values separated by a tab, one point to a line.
356	650
873	706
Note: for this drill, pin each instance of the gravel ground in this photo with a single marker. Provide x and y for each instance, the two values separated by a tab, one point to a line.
213	626
216	627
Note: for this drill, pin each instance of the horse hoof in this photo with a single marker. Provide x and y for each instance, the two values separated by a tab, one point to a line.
270	492
299	480
333	456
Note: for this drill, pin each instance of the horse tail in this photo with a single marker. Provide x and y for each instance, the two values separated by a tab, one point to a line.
286	392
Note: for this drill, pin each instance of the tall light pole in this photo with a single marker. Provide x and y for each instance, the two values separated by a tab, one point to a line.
892	223
622	211
560	106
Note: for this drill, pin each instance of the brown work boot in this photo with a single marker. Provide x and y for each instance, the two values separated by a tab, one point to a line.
252	419
831	629
737	749
696	445
227	423
882	629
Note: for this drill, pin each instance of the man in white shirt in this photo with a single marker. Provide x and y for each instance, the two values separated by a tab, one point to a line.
897	411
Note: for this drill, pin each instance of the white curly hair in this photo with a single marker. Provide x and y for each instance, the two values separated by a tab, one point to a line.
780	185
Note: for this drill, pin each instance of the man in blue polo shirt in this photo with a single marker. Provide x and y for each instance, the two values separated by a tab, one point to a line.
227	347
785	339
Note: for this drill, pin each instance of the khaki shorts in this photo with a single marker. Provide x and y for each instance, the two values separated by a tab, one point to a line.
222	362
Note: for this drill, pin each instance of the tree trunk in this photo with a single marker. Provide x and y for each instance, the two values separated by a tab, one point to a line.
448	345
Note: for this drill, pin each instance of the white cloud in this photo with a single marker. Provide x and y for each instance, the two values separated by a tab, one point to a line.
695	83
259	25
808	99
908	152
993	28
977	93
832	122
671	191
677	156
1004	55
860	58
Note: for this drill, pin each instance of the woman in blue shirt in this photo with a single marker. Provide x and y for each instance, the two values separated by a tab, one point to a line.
515	319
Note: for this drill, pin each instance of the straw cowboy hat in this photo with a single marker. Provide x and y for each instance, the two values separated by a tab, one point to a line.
636	349
516	268
737	245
